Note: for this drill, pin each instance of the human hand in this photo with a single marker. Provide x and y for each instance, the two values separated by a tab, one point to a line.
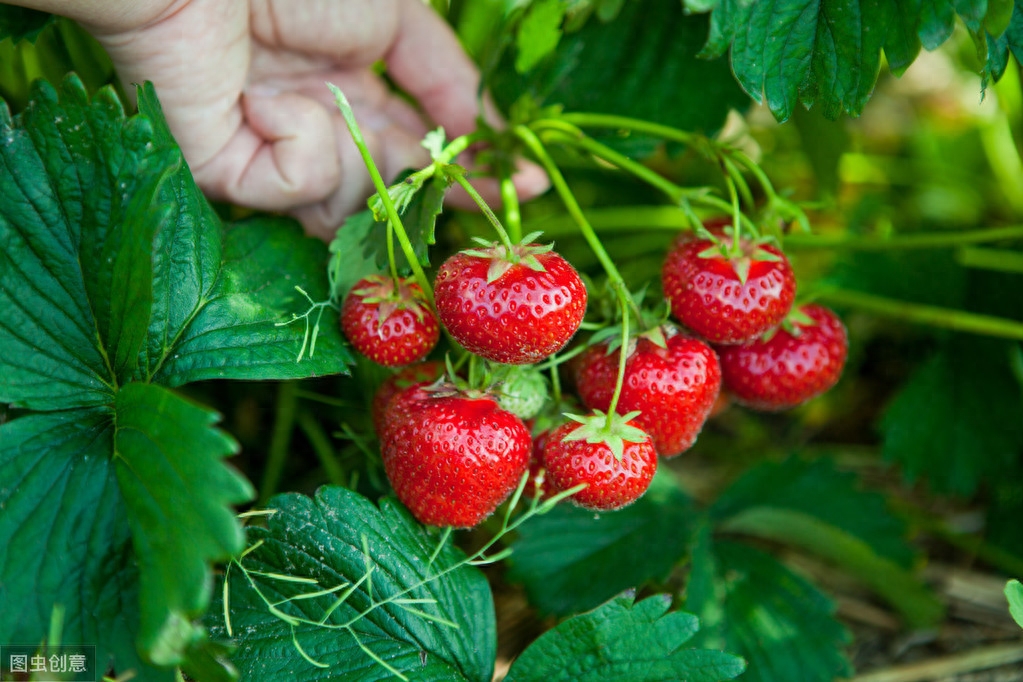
242	84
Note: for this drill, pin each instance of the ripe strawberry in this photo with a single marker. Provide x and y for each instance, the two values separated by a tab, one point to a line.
727	299
516	308
413	375
536	468
452	458
616	463
800	361
673	387
389	324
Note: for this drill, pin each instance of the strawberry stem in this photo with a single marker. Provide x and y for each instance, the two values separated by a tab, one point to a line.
460	178
512	214
572	206
736	248
378	182
623	356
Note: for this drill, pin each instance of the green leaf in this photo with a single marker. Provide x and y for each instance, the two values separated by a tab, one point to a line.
539	33
827	53
1014	595
77	179
649	52
755	607
420	222
571	560
624	640
58	490
236	334
178	495
817	489
353	254
897	586
999	47
334	539
21	23
956	422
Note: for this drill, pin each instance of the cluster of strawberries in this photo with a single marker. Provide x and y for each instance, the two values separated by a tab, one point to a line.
453	454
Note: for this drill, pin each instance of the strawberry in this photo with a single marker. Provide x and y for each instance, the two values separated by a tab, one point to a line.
727	298
673	386
389	323
616	461
801	360
452	456
413	375
537	468
515	306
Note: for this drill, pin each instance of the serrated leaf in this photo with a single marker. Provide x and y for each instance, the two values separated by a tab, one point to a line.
58	490
753	606
324	538
827	53
817	488
420	221
236	333
353	253
624	639
649	52
178	497
21	23
571	560
68	334
1009	41
539	33
1014	595
956	421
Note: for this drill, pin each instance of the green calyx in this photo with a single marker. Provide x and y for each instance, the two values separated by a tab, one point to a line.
502	257
793	324
612	430
391	296
741	258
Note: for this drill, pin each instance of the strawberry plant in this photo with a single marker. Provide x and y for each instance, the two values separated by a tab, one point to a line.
737	349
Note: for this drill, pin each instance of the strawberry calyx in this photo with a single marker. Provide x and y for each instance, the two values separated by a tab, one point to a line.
503	256
749	250
794	324
390	296
612	430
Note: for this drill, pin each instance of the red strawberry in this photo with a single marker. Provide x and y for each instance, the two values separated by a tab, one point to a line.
730	299
536	468
391	325
516	308
801	360
673	387
413	375
616	462
452	458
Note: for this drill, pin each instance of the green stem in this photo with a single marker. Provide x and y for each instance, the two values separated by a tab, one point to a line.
512	214
673	219
736	249
381	187
559	134
586	120
284	424
623	356
999	260
321	446
459	145
460	178
945	318
558	180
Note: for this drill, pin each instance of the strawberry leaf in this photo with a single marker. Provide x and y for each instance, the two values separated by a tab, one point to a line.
649	52
624	639
571	560
956	421
60	490
427	620
815	508
753	606
539	33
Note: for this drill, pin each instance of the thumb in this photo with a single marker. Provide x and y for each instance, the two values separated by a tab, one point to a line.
284	154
